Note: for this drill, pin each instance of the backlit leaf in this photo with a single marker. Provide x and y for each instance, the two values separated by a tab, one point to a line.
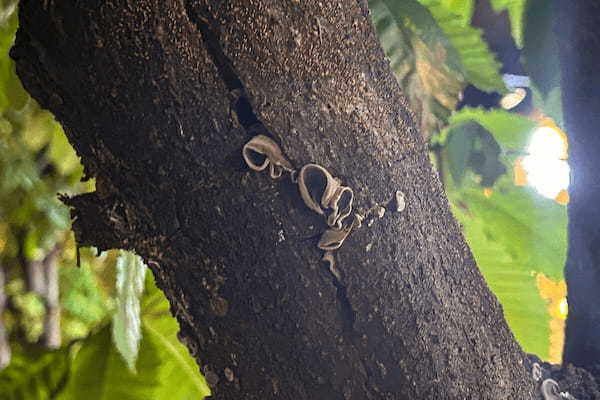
126	321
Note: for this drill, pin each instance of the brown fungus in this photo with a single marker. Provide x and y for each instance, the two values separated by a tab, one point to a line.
341	206
262	152
332	239
316	186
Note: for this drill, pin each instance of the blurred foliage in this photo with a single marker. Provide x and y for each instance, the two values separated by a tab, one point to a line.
35	373
92	367
164	368
471	146
516	10
480	67
540	47
516	235
434	53
126	322
36	163
514	232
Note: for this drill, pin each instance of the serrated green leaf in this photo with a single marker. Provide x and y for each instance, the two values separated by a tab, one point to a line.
510	130
515	234
433	52
480	65
540	47
462	8
423	60
34	373
412	15
126	321
516	11
531	228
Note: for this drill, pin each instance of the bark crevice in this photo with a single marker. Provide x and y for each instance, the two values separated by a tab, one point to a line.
200	17
347	312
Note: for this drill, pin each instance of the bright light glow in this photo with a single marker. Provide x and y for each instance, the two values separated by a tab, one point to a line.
547	170
563	308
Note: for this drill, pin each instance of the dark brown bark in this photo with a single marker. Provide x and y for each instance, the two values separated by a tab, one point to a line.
158	98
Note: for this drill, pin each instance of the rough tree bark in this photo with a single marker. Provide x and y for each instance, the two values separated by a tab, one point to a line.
158	98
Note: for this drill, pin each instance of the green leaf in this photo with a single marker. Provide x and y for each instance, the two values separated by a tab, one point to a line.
515	234
485	159
81	296
61	153
99	372
434	53
422	58
480	65
470	145
510	130
126	321
516	11
411	14
540	47
179	370
462	8
12	94
551	104
165	370
34	373
530	228
460	145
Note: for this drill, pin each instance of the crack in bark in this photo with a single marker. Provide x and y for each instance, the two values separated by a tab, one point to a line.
202	20
239	100
347	311
348	315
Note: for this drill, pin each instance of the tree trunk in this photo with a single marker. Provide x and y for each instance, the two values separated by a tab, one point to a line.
579	43
159	97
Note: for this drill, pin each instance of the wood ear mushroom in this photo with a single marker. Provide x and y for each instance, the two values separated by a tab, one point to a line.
316	186
321	191
341	206
262	146
332	239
